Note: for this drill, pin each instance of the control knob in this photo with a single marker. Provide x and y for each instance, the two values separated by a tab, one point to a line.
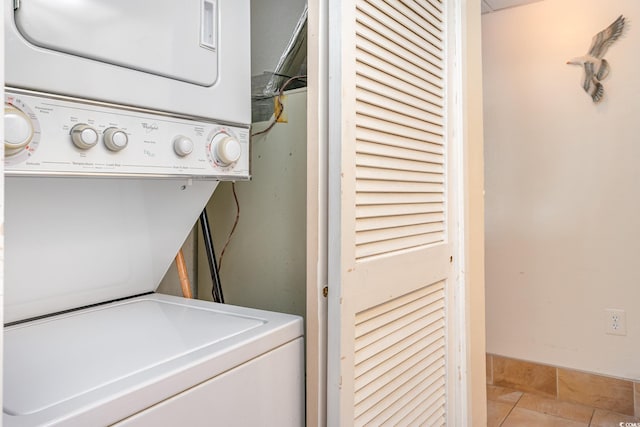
18	130
115	139
225	149
84	136
182	145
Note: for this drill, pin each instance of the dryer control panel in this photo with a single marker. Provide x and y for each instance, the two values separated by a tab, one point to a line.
67	136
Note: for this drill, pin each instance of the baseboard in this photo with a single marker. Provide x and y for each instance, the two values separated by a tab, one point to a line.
598	391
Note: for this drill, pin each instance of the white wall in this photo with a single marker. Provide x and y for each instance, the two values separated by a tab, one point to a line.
562	187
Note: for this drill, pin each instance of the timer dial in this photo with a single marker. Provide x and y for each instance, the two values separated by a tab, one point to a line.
84	136
226	149
18	130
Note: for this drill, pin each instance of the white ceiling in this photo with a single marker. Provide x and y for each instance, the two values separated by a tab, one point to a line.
493	5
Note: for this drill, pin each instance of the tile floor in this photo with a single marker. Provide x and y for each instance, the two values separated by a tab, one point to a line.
507	407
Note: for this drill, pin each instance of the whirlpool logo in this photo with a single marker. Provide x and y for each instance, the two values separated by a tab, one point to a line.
149	127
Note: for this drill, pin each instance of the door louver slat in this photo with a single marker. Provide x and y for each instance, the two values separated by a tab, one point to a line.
370	131
376	185
364	172
400	164
426	77
364	199
378	223
369	325
408	19
393	118
433	10
416	51
397	210
401	104
394	233
371	79
382	246
400	360
382	69
399	42
392	152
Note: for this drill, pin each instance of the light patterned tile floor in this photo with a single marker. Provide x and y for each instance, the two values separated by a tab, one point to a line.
513	408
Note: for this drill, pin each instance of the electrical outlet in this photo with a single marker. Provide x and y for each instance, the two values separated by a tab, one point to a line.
615	321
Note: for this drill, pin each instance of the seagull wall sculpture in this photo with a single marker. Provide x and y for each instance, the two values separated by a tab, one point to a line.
596	68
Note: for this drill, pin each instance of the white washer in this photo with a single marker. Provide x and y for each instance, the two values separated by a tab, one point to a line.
155	360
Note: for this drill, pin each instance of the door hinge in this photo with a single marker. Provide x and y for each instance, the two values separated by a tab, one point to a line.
325	291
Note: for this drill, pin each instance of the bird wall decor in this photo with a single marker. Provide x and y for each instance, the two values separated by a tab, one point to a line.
596	68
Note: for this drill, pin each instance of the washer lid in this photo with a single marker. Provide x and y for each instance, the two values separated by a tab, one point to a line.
169	38
140	351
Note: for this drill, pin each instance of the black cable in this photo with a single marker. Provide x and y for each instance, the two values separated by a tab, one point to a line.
235	224
216	289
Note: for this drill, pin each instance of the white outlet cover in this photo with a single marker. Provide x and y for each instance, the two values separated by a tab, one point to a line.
615	321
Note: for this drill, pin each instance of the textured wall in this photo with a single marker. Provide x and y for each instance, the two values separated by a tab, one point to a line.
562	187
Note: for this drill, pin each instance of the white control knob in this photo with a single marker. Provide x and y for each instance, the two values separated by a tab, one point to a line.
84	136
182	145
18	130
226	149
115	139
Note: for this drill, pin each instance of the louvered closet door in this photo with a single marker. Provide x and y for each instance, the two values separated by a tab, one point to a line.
391	224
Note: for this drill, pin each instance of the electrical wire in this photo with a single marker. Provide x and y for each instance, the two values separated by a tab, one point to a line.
267	129
280	105
235	224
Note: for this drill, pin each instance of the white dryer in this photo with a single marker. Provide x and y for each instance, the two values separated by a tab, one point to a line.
120	118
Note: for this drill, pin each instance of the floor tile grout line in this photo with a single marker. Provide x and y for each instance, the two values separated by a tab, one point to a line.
560	417
511	410
593	413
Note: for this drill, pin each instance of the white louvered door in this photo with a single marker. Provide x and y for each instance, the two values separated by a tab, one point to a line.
391	217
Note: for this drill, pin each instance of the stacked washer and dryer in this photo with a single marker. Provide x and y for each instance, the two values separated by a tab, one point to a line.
120	119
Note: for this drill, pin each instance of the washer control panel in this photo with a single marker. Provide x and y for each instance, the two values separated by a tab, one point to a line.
63	136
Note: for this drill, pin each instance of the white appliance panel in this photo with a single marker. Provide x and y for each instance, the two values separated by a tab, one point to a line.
226	400
150	140
162	55
83	352
72	242
165	45
101	365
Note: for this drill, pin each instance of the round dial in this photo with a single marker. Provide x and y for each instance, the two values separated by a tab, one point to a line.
115	139
18	130
225	149
182	145
84	136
